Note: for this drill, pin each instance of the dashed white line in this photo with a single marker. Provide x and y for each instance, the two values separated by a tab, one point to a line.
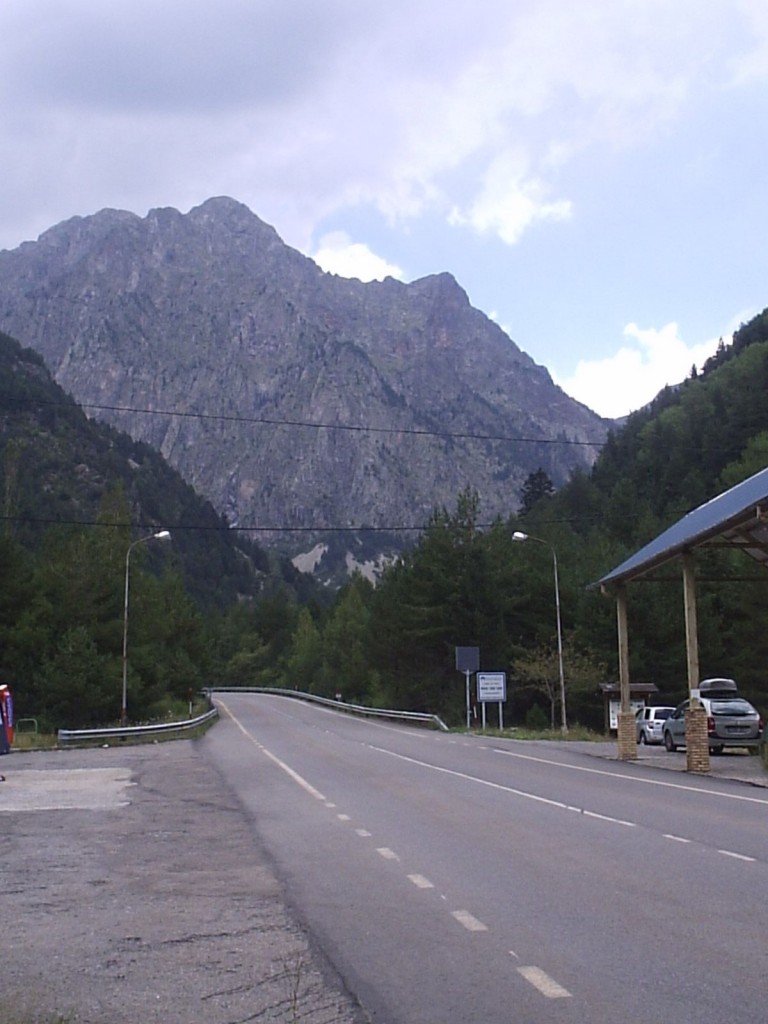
470	923
542	981
343	817
387	854
607	817
737	856
420	882
362	832
676	839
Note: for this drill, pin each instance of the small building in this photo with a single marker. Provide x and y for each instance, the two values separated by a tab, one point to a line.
639	695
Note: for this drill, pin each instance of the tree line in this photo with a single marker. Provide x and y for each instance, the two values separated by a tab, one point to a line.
464	582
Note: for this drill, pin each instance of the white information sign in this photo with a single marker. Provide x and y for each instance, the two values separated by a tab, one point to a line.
614	707
491	686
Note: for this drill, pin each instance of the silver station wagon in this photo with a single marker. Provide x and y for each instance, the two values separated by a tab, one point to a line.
649	723
731	720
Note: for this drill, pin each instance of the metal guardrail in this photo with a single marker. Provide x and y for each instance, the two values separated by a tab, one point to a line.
123	732
340	705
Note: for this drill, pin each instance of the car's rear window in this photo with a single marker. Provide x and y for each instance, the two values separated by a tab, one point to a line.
732	706
663	712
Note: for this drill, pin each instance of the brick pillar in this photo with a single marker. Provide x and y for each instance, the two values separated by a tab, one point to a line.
627	736
697	740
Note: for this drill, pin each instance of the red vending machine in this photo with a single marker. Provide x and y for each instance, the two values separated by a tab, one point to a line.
6	718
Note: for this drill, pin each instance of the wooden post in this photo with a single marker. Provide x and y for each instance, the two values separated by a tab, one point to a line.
697	744
626	732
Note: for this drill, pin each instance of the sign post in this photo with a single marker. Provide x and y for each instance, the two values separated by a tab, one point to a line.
492	686
467	661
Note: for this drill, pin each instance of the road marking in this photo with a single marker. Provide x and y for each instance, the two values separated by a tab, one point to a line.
737	856
633	778
421	882
298	779
542	981
504	789
363	833
607	817
676	839
387	854
470	923
343	817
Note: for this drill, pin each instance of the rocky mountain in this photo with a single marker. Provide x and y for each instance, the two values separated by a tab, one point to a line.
292	399
59	469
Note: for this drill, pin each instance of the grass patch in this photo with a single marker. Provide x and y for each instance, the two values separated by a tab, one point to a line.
34	741
575	733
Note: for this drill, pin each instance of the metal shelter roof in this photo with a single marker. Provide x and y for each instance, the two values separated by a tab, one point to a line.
738	517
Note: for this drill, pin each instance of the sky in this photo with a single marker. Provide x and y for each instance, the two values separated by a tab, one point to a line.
592	172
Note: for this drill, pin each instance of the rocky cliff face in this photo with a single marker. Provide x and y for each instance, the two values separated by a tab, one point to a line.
289	397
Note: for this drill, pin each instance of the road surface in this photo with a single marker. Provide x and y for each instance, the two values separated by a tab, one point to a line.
455	879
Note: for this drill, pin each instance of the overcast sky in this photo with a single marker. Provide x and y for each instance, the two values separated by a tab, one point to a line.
594	173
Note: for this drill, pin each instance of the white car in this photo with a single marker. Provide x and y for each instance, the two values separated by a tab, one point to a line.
649	723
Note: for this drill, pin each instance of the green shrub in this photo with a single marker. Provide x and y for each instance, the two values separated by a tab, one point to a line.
536	718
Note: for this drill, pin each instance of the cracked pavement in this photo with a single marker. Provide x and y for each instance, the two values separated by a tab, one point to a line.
149	900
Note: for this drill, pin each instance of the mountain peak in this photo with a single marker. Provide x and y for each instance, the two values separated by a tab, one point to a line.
290	398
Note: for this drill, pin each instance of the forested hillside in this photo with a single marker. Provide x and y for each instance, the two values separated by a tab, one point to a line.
470	583
465	582
75	494
56	466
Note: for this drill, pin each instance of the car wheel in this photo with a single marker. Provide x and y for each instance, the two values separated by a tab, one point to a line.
717	749
669	743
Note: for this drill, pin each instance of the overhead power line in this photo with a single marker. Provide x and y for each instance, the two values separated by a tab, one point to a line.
308	424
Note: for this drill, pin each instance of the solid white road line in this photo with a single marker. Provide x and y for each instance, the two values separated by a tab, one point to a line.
634	778
502	788
276	760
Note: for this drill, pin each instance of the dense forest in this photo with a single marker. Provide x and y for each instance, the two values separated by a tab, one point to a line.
211	608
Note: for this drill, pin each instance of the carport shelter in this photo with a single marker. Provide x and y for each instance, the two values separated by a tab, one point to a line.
738	519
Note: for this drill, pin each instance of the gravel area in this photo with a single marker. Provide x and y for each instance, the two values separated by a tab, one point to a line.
134	890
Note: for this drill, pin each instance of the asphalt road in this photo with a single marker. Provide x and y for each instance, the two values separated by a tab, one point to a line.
455	879
300	865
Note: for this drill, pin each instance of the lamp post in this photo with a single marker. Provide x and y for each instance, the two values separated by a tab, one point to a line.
161	535
517	535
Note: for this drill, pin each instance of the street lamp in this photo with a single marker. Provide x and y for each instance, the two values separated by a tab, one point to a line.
517	535
161	535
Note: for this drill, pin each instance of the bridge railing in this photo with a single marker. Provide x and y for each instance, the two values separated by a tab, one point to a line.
65	736
340	705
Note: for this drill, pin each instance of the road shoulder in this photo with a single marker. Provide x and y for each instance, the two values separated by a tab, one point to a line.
146	897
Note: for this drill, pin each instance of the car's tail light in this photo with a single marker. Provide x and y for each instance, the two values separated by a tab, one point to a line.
710	725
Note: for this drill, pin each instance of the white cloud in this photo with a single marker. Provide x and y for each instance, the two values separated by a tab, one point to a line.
635	374
302	109
509	203
338	254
